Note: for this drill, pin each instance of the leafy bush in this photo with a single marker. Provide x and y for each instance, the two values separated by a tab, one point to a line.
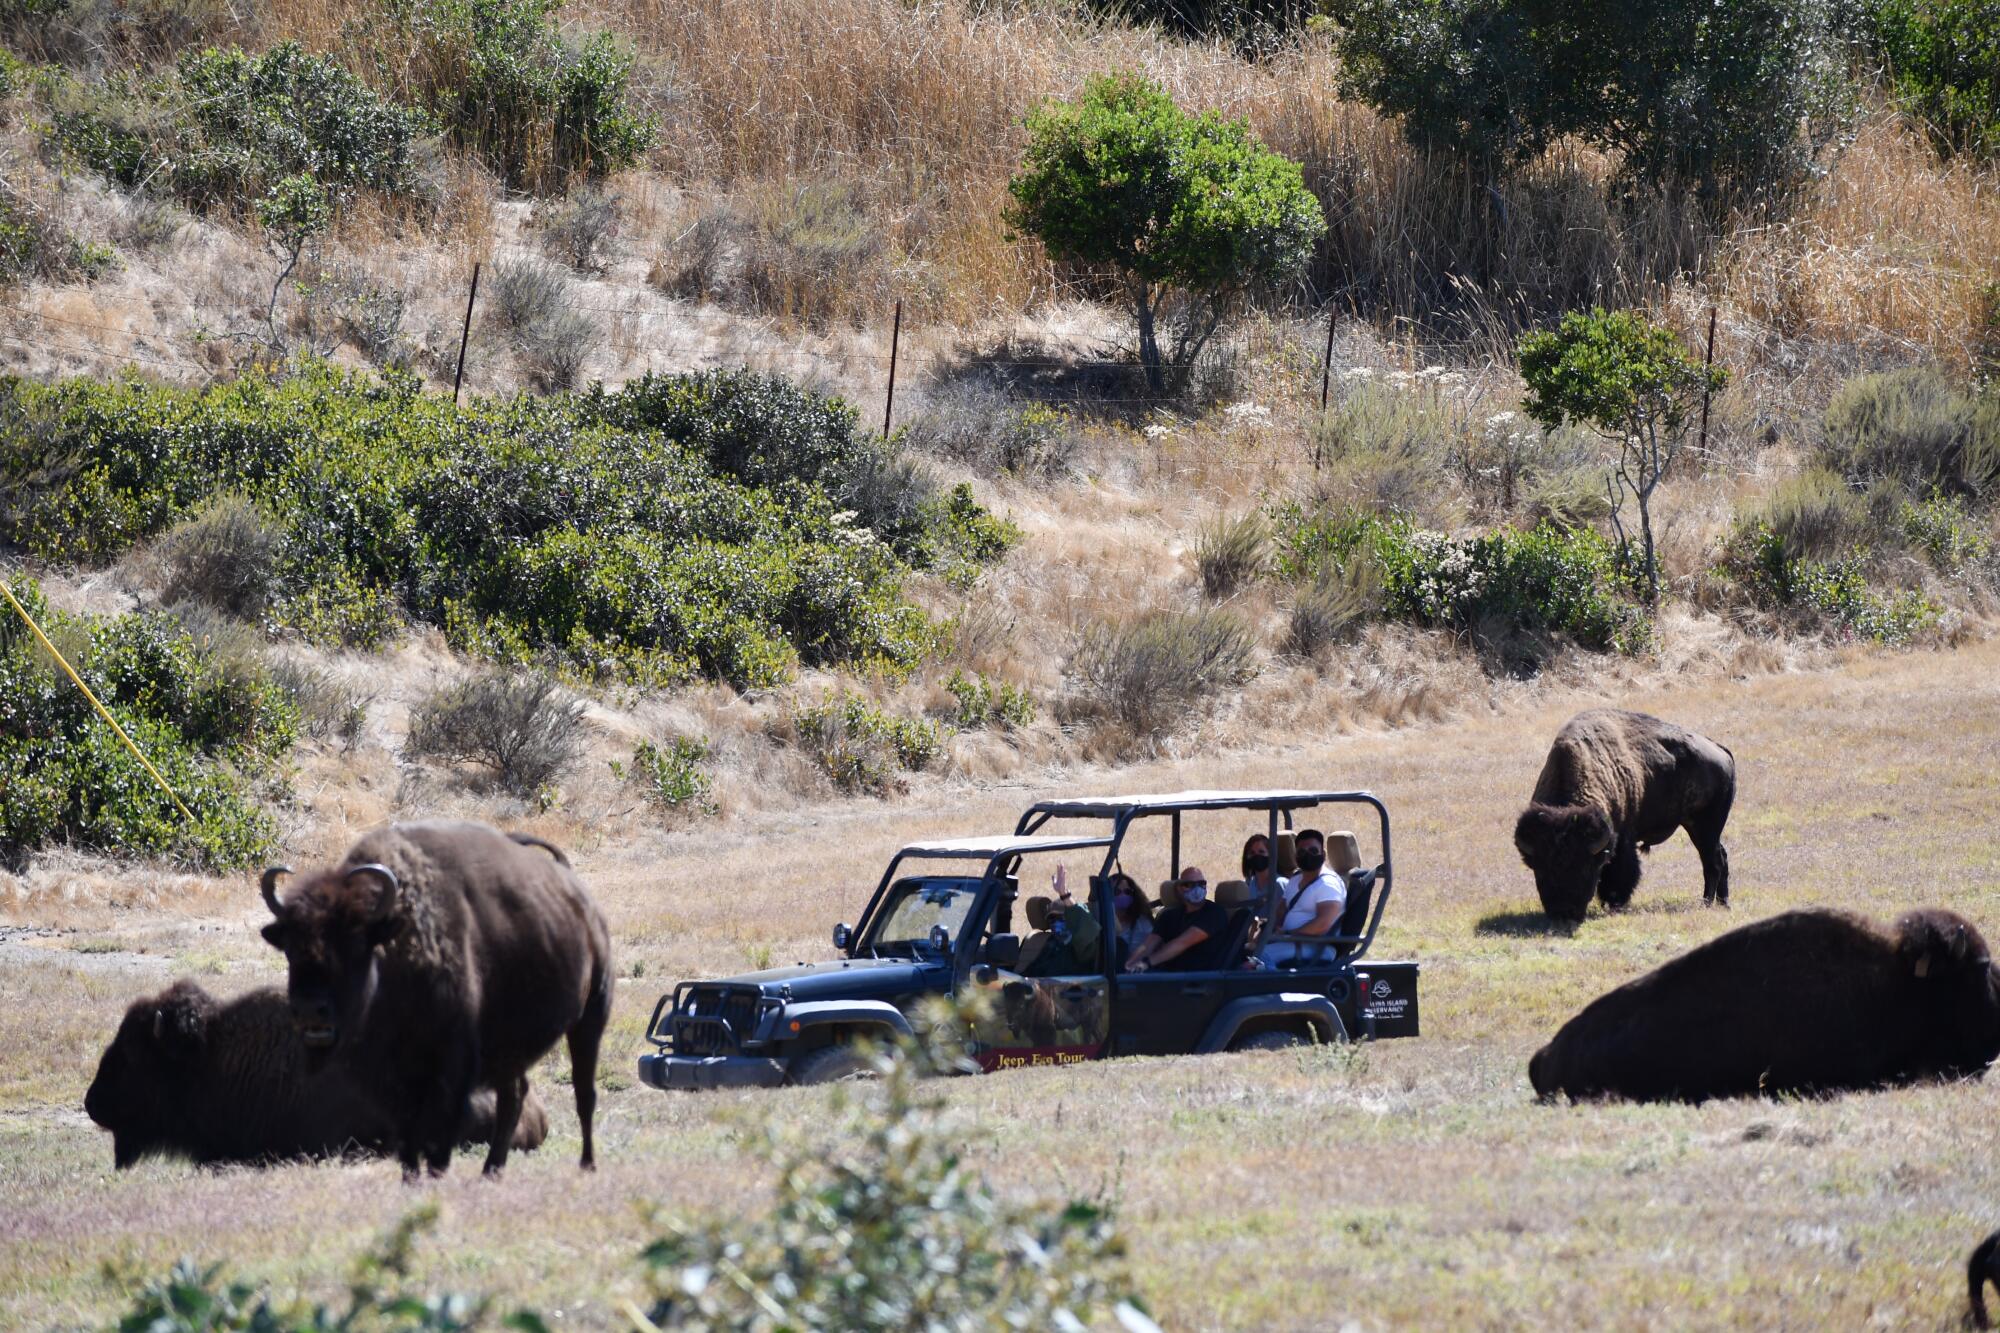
1229	553
1941	529
861	747
1816	515
1633	382
194	1299
1822	594
206	721
1175	203
670	777
226	556
508	87
1549	579
1915	428
1944	64
1688	93
1148	672
226	127
35	245
878	1223
679	526
520	727
982	702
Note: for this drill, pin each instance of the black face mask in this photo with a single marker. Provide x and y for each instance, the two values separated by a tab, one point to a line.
1254	863
1311	859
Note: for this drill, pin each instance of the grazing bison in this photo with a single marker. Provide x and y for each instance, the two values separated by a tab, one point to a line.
1811	1001
440	957
1982	1268
1616	784
191	1076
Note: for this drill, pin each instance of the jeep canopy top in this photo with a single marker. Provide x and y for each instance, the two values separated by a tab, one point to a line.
987	848
1110	807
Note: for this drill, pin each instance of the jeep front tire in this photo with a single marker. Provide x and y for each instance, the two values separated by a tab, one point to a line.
831	1064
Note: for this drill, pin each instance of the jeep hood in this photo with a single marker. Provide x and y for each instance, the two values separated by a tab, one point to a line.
847	979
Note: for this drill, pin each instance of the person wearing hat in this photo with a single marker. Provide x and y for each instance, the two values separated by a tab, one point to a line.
1184	938
1073	930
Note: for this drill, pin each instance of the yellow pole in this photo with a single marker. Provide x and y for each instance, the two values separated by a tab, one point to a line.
102	711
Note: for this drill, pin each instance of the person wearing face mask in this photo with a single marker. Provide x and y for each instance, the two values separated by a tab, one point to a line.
1185	939
1072	949
1133	912
1313	900
1260	873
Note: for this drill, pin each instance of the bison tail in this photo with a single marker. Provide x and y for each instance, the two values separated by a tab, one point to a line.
1979	1270
530	840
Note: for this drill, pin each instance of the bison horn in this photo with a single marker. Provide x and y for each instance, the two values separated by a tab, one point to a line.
393	885
1603	843
270	886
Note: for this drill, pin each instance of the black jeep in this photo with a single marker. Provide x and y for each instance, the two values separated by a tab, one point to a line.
935	928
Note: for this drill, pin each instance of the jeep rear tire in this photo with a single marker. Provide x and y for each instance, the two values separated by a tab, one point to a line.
831	1064
1271	1039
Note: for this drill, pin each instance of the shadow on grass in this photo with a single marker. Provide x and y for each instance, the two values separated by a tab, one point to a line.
1524	925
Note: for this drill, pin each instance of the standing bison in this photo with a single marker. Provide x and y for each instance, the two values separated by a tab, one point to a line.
1811	1001
190	1076
1616	784
440	957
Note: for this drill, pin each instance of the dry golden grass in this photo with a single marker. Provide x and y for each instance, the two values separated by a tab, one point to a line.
1411	1184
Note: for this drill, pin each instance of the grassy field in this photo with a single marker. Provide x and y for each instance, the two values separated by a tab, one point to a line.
1410	1184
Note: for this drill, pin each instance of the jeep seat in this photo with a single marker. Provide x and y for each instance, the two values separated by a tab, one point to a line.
1038	910
1343	853
1237	896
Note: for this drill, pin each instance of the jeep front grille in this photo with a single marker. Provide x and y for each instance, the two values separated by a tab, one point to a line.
714	1020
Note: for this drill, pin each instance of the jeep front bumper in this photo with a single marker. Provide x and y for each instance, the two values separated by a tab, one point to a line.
696	1073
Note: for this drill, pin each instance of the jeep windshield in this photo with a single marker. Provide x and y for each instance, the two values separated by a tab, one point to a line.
913	908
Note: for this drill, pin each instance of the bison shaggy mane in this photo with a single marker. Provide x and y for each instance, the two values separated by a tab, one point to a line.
1814	1001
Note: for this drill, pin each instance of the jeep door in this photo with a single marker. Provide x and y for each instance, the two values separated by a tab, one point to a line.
1044	1020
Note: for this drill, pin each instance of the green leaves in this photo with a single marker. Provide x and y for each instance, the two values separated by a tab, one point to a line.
1615	371
1944	64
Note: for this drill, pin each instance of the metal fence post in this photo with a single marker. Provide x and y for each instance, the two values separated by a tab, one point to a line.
465	334
895	339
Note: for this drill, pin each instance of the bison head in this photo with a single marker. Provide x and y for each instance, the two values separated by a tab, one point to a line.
139	1093
1567	847
329	929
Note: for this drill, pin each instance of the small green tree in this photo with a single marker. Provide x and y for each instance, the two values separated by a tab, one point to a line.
1944	63
1187	207
1631	381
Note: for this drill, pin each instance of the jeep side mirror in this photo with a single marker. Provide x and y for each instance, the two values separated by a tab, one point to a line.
843	935
1004	951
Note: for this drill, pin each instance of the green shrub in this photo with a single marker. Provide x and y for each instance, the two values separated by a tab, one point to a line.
878	1223
1832	595
1941	529
1549	579
34	245
1149	672
1333	604
675	528
1914	427
1175	203
519	727
1230	552
226	556
1731	97
508	86
209	723
1816	515
224	128
982	702
861	747
670	777
1944	64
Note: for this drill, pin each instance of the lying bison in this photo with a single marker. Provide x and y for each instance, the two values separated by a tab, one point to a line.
440	957
1983	1267
1616	784
191	1076
1812	1001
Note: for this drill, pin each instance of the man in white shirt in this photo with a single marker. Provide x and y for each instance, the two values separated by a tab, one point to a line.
1313	900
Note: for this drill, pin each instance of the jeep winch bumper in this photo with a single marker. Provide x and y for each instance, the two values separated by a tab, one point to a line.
699	1073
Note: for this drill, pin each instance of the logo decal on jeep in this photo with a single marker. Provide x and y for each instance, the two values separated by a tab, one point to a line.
1380	990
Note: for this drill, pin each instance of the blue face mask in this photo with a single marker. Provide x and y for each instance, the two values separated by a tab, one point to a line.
1060	929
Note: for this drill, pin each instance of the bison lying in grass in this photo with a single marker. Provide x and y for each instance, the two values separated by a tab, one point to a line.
1616	784
1805	1002
441	957
190	1076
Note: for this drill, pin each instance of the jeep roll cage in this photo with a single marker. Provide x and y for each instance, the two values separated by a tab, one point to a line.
1279	805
